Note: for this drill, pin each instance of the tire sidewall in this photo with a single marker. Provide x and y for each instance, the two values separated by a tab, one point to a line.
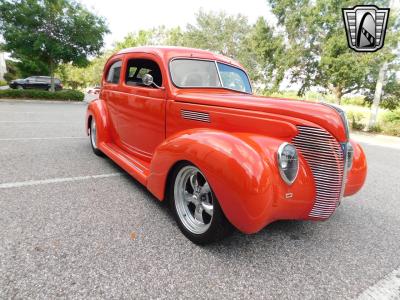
95	149
219	226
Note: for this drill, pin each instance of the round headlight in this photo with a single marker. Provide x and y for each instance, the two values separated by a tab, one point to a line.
288	162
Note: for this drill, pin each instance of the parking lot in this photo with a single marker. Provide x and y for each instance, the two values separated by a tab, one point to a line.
75	225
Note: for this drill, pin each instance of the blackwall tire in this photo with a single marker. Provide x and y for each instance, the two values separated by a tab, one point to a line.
195	206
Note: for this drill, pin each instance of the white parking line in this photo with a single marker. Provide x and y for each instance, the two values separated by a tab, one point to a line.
43	138
385	289
54	180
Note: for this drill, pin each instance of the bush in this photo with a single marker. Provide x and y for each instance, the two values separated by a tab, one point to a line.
390	123
356	100
355	120
9	76
71	95
375	129
3	83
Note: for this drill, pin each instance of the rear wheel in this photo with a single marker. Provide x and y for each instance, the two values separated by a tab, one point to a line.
93	137
195	206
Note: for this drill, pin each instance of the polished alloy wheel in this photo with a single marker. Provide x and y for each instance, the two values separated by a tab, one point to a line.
193	200
93	134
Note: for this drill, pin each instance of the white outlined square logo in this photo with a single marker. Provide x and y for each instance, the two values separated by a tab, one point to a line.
365	27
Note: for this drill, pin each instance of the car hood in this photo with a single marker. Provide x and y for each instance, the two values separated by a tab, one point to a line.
317	113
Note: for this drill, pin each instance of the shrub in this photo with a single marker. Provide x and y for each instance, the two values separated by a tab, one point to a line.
3	83
355	120
356	100
71	95
390	123
375	129
9	76
392	116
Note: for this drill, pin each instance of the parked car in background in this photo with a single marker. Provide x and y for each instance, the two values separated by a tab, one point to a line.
185	123
93	90
91	94
36	82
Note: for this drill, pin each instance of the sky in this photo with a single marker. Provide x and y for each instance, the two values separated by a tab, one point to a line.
127	16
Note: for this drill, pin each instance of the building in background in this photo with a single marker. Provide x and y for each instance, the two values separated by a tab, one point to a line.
3	67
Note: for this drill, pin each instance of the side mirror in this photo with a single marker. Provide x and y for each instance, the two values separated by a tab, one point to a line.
147	80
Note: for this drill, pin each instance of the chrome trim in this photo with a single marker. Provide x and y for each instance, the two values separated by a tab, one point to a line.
219	73
209	87
195	115
342	114
326	159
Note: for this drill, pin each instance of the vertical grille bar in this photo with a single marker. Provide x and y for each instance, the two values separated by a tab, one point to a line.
325	157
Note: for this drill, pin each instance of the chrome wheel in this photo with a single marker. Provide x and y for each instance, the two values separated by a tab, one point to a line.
93	134
193	200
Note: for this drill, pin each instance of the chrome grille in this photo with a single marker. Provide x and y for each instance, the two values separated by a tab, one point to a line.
325	157
195	115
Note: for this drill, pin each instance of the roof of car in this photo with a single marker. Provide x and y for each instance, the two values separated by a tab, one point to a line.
169	52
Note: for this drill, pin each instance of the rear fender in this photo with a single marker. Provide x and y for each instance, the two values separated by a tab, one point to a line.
98	110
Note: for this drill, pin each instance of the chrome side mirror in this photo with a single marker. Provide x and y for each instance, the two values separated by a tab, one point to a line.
148	80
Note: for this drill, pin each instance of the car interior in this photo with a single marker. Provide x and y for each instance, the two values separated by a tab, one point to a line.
137	68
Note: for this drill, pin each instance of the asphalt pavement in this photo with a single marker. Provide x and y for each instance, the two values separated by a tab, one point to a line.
74	225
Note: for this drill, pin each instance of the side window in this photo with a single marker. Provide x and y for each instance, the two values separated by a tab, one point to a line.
114	72
137	68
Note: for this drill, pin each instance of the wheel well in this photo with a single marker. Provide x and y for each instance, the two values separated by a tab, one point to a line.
171	171
88	123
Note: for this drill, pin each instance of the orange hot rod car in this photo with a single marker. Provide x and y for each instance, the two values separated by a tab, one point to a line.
185	124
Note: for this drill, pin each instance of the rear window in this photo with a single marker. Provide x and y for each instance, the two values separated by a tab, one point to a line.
114	72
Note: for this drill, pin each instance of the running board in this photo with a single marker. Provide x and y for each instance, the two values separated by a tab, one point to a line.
134	167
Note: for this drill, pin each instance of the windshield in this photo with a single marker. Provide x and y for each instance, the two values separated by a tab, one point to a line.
208	74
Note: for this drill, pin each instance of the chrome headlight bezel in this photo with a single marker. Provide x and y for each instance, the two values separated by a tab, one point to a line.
349	156
288	162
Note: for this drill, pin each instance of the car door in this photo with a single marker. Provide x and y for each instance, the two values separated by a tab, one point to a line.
139	110
30	82
42	82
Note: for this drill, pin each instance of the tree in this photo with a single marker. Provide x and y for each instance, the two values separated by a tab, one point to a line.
155	36
51	32
317	53
389	62
220	33
266	55
82	77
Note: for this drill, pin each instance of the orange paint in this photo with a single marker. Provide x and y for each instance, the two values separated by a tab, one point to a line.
146	131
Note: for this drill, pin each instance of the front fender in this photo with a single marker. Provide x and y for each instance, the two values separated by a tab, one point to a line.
240	168
358	173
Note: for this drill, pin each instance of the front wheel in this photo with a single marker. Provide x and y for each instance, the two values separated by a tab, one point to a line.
195	206
93	137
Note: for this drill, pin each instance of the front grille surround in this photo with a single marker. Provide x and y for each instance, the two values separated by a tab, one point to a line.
326	159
